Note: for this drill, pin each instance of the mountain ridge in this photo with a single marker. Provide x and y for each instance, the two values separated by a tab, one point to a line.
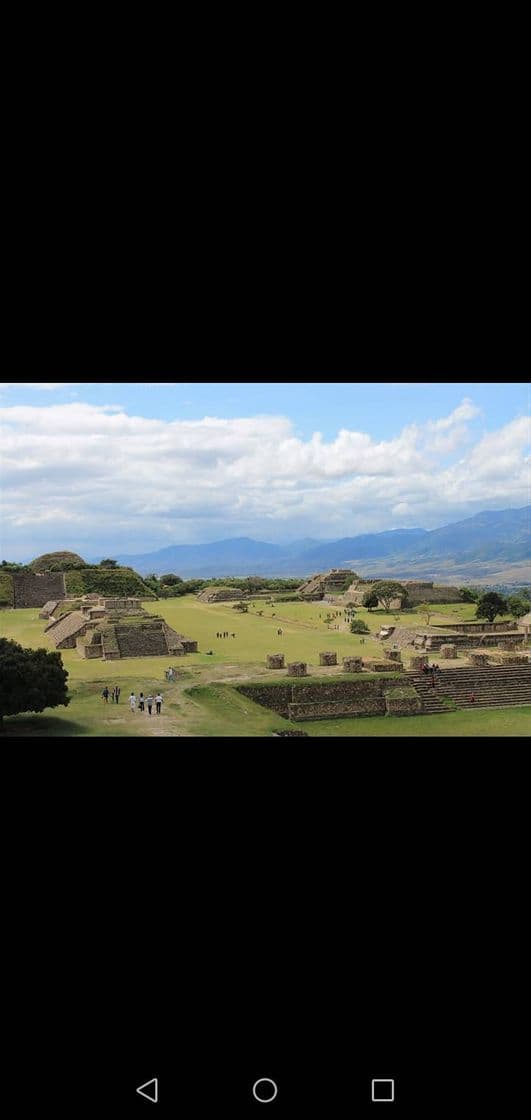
485	538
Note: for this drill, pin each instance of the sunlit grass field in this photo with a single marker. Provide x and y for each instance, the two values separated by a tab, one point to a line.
199	703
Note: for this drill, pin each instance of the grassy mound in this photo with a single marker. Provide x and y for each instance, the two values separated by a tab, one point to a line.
56	562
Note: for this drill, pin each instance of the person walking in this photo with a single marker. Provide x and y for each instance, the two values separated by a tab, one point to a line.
132	702
472	698
141	701
105	694
149	704
117	692
113	695
158	702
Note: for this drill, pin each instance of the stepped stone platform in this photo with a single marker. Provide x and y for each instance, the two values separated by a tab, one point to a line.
494	686
111	629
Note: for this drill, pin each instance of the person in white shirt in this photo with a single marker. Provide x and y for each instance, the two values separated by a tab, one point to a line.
132	701
158	702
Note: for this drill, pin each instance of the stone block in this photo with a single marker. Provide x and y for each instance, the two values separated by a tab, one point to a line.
275	660
298	669
393	654
352	665
448	651
328	657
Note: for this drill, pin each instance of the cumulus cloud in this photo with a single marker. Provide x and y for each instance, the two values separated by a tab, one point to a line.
95	479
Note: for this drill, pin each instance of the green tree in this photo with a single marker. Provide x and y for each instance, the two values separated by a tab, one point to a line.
426	610
370	600
108	563
170	580
517	606
243	607
358	626
468	594
387	589
30	679
490	605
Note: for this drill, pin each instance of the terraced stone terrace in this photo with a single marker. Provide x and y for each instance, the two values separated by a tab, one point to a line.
494	686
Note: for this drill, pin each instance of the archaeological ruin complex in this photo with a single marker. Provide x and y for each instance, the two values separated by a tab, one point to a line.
111	629
352	588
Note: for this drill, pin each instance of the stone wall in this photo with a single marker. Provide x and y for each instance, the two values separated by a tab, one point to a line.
275	660
342	709
141	641
434	641
328	657
31	589
448	651
279	696
480	627
402	705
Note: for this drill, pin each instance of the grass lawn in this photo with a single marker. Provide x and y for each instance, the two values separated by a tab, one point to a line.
199	703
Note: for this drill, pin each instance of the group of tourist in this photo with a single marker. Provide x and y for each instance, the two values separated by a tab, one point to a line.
114	695
433	669
224	634
146	702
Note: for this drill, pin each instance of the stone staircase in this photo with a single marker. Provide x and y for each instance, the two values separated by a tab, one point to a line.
496	686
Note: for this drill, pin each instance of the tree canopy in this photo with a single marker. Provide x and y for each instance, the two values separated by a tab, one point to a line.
30	679
358	626
517	606
490	605
387	589
370	600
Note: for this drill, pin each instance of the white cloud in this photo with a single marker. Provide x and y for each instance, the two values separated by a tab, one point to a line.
93	478
47	386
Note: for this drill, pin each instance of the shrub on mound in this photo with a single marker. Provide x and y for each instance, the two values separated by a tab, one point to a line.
358	626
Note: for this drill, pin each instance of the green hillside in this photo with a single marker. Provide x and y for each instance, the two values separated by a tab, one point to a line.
6	589
119	582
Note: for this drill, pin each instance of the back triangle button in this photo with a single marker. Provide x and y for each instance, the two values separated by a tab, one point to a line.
150	1090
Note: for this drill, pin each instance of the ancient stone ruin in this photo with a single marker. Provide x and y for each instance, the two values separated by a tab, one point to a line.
449	651
111	629
275	660
352	664
298	669
33	589
336	580
221	594
328	657
417	592
393	654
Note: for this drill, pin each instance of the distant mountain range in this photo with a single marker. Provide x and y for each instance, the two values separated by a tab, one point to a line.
476	545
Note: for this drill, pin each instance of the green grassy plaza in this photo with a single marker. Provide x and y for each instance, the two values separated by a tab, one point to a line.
204	702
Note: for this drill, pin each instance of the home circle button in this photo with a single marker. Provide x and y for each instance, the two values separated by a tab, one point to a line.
264	1090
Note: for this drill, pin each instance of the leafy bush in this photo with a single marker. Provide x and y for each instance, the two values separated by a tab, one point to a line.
6	590
358	626
30	679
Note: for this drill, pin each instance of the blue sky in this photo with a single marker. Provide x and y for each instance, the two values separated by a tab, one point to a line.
109	468
382	409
